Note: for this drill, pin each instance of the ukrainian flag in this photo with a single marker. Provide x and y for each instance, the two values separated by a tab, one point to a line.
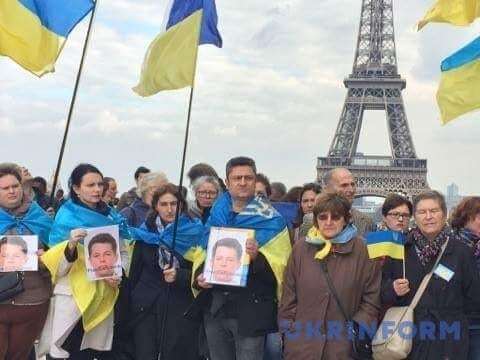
386	243
171	57
33	32
455	12
459	89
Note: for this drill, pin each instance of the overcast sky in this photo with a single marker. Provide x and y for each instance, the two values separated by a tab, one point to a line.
273	92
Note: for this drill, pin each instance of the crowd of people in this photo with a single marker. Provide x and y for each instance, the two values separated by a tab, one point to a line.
312	286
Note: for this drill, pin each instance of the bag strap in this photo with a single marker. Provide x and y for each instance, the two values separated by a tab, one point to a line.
426	278
323	266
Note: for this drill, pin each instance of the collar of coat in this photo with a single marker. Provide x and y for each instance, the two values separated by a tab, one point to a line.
448	250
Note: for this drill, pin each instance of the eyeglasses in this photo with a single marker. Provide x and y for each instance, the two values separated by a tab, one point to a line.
205	193
424	212
324	217
397	215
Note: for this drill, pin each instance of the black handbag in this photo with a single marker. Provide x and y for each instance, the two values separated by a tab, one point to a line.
11	284
361	345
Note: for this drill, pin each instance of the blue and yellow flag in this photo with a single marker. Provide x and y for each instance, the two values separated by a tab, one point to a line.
271	232
386	243
189	233
455	12
73	216
33	32
171	58
36	220
459	89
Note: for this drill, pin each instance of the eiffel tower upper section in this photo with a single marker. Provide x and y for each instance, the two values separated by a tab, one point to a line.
375	84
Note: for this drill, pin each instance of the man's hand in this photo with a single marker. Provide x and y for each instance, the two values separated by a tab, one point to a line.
252	248
202	283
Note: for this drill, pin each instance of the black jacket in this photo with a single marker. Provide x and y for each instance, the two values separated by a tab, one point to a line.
148	299
447	302
254	306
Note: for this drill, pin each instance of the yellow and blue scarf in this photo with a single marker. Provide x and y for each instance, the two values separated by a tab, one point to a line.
316	238
189	234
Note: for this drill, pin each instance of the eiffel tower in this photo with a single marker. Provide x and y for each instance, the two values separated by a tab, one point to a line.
375	84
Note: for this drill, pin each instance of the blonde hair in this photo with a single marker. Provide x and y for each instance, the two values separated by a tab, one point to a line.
149	180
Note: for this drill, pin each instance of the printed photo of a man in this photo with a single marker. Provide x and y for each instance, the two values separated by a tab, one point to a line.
226	261
103	255
13	253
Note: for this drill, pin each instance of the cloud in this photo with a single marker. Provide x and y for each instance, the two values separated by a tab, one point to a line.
274	92
6	125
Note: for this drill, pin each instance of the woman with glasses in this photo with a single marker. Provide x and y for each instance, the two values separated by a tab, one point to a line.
465	219
206	190
396	211
440	318
313	325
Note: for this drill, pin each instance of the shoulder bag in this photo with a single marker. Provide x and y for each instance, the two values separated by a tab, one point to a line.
361	345
398	344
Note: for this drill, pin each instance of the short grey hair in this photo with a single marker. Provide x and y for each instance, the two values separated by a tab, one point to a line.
327	177
206	179
430	195
149	180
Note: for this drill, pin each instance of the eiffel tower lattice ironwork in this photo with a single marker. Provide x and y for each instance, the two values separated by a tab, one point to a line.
376	85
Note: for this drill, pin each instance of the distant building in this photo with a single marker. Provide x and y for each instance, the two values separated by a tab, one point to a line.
370	206
453	196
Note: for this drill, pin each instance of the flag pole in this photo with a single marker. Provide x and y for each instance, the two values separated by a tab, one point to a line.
72	104
179	194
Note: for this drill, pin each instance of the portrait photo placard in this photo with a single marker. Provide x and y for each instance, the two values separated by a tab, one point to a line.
102	253
18	253
227	261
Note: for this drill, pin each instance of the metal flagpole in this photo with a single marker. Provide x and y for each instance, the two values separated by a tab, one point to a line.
72	104
179	194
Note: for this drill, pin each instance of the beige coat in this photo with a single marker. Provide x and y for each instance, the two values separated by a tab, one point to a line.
309	311
62	317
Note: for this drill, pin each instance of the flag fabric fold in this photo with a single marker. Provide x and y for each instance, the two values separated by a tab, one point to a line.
33	32
455	12
181	9
459	89
386	243
36	220
72	216
95	299
189	233
170	60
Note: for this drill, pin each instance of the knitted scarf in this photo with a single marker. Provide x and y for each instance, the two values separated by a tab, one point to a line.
471	240
428	250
